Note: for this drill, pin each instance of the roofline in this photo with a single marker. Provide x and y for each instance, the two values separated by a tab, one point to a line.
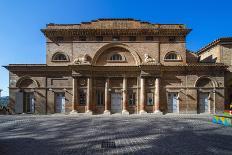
112	19
214	43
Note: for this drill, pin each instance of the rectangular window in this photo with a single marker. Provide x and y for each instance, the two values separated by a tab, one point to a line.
115	38
82	97
100	98
132	38
99	38
149	38
131	98
150	99
82	38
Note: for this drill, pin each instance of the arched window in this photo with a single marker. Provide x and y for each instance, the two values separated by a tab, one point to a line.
116	57
172	56
59	57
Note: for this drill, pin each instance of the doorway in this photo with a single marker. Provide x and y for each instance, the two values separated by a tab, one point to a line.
116	103
203	102
60	102
173	103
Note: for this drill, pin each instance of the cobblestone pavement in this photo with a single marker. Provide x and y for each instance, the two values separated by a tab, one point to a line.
133	134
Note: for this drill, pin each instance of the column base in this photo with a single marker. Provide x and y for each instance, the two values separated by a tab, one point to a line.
125	112
89	112
106	112
158	112
73	112
141	112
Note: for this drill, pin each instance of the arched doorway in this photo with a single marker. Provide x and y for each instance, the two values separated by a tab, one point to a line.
206	101
25	98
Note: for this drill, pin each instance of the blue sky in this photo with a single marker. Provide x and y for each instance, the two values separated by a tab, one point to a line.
21	20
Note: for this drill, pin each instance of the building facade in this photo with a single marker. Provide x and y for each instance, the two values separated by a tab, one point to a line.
109	66
220	51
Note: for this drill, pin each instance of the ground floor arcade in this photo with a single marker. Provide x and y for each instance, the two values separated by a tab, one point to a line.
125	90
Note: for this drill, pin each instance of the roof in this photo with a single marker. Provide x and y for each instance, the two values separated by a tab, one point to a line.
214	43
114	23
114	26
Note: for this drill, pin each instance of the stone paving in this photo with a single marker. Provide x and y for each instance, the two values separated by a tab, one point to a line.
133	134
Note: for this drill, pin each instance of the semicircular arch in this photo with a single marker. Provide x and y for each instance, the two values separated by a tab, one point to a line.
119	45
27	81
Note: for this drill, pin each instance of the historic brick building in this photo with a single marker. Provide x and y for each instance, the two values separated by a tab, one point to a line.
117	66
220	51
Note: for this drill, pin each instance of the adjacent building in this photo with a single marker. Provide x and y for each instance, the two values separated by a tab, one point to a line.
220	51
126	66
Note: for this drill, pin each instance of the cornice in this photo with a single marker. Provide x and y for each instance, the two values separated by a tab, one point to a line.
106	32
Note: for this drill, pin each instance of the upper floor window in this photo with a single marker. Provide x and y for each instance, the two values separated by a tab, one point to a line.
132	38
99	38
172	56
60	57
149	38
115	38
116	57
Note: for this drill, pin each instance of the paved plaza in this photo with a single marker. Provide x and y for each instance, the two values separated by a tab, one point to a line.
115	134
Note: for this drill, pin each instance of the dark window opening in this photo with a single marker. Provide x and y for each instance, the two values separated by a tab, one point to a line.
60	57
82	38
171	56
59	38
132	38
82	96
100	98
131	98
149	38
99	38
116	57
172	38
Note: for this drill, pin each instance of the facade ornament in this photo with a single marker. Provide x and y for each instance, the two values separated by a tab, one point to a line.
82	60
148	59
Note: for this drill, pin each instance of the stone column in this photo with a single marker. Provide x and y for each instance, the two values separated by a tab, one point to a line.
142	96
89	95
107	97
74	96
124	96
214	101
157	95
